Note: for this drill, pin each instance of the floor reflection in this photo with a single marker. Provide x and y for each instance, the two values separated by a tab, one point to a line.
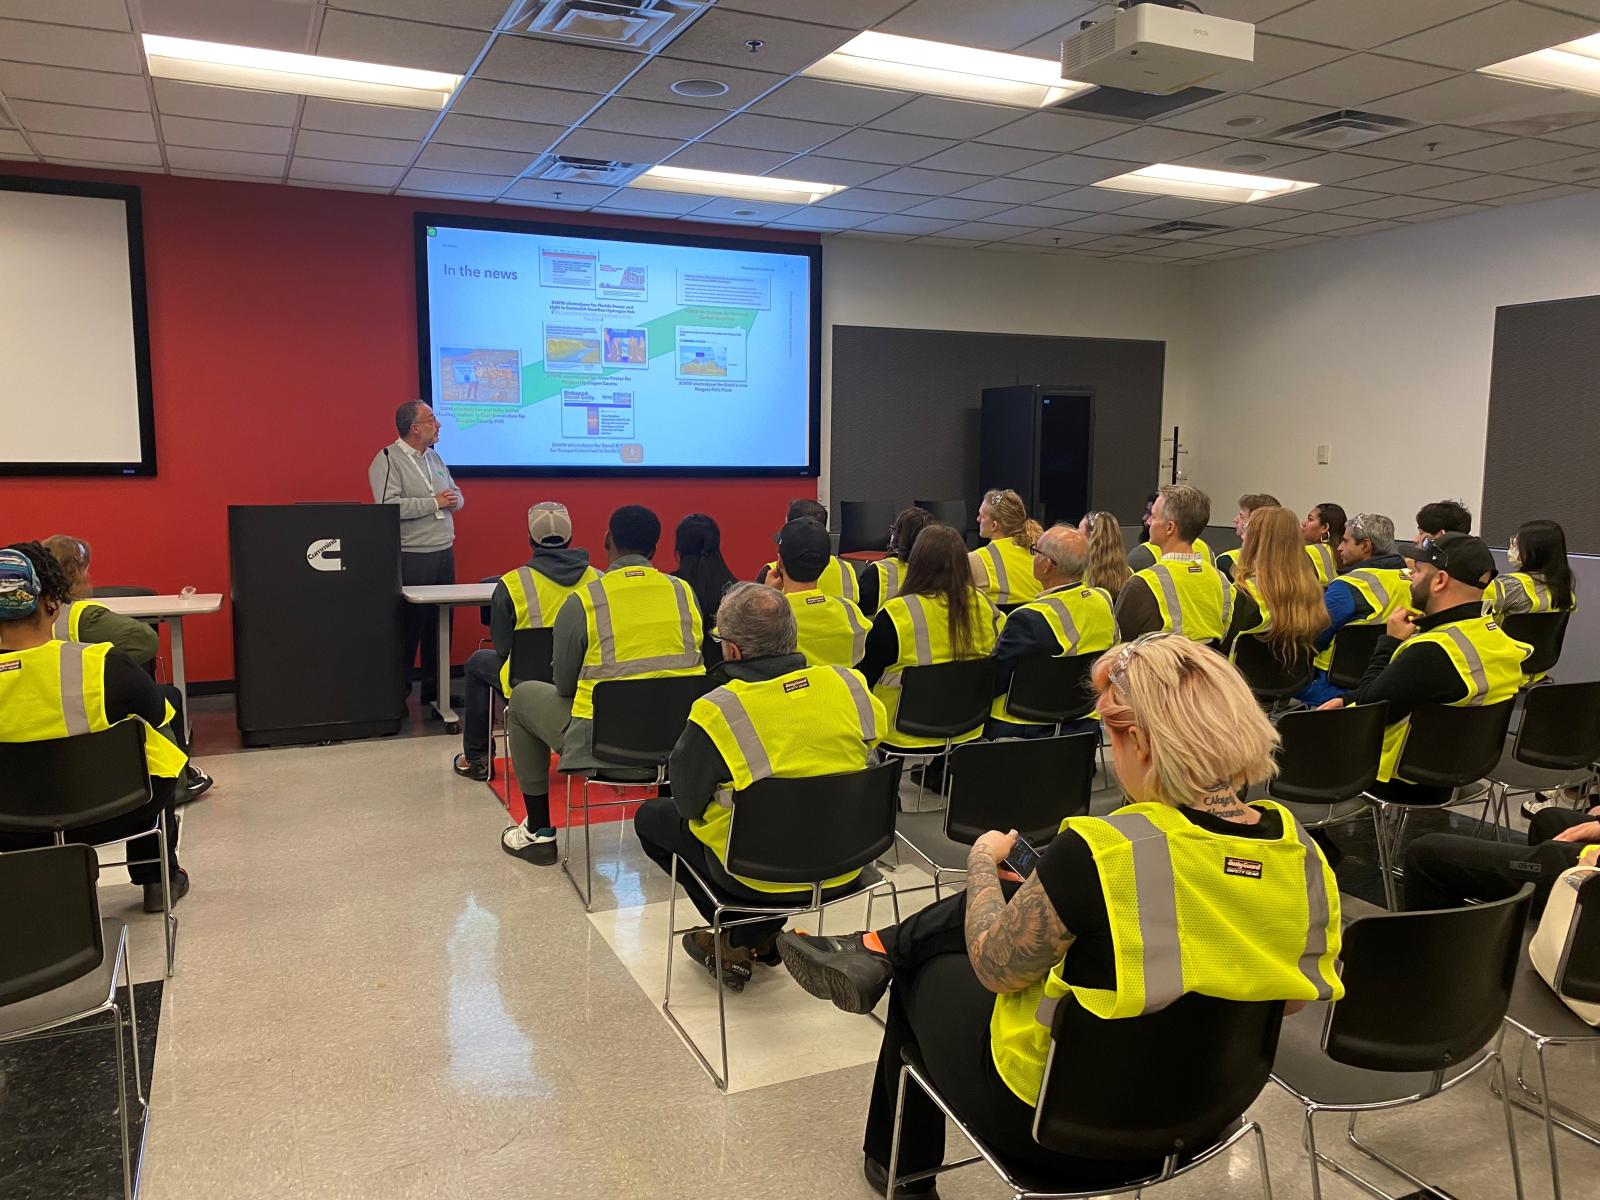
489	1052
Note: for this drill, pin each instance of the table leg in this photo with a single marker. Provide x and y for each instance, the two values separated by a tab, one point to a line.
180	677
442	704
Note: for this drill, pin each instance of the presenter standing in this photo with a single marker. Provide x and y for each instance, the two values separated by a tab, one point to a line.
410	473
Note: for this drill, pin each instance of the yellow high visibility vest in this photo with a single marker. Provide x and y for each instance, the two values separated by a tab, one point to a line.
1200	548
70	618
1082	620
1226	562
58	690
890	572
1490	665
1324	560
1384	589
641	624
1003	571
536	599
1195	599
1517	586
923	626
1191	911
810	722
838	578
1263	622
832	630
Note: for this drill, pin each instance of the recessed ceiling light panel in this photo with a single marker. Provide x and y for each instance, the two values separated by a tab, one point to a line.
740	187
1572	66
943	69
1199	183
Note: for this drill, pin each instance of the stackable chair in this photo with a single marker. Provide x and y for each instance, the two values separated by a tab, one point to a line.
1545	632
531	650
1559	732
1271	680
944	700
1352	651
1327	759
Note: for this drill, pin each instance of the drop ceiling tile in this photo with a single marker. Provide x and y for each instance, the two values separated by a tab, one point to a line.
727	208
66	46
1365	228
1197	249
847	14
494	134
922	182
58	146
64	85
1245	216
655	79
811	217
1109	223
1035	216
1055	132
119	124
1473	99
1276	58
978	159
624	147
1265	114
233	176
873	236
1429	144
1266	157
939	117
1074	168
14	145
336	187
956	210
371	39
950	243
703	156
549	191
238	162
1581	8
225	135
535	61
1334	168
1053	238
719	36
624	115
469	14
1414	178
1242	252
874	145
1585	168
868	200
1248	237
646	201
804	99
96	14
1508	156
1303	240
1491	35
1547	193
345	147
1127	245
985	231
1355	81
1578	135
987	26
1363	24
224	104
518	102
475	159
1093	199
819	168
366	120
913	225
1391	207
1010	191
1154	145
1320	199
457	183
316	170
774	133
1482	187
1171	208
1454	210
1315	223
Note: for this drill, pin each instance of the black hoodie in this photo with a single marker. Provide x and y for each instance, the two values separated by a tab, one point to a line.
564	565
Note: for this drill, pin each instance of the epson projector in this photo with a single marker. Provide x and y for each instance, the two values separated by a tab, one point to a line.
1159	50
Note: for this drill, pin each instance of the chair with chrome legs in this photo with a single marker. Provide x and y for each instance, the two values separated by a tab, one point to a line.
62	786
944	701
1352	651
60	962
1538	1014
1556	746
1424	996
531	650
1110	1095
637	722
1326	759
1049	689
800	832
1271	679
1546	632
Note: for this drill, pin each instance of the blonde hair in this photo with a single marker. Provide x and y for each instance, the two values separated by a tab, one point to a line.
1204	731
1011	515
1275	565
1108	558
73	555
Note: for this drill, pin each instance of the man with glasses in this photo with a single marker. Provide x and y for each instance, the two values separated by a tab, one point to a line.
409	472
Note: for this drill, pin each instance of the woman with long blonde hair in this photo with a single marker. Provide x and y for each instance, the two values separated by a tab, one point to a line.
1003	570
1108	559
1280	598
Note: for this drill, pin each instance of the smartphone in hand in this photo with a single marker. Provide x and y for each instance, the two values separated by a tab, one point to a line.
1022	859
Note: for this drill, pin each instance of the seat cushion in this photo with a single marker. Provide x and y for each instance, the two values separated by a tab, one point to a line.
1303	1067
71	1000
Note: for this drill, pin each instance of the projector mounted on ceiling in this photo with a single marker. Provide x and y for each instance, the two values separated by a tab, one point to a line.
1153	48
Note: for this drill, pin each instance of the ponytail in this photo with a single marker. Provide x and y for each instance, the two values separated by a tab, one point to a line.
1029	537
1011	515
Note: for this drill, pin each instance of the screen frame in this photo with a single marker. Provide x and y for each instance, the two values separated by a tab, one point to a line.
129	194
811	251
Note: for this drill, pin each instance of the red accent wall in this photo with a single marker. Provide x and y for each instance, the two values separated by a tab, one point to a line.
282	336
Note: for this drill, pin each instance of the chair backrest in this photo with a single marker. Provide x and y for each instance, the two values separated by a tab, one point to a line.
1049	690
531	651
808	830
486	611
639	720
68	783
1546	632
51	910
945	699
1352	651
1270	679
864	524
1327	756
1149	1086
112	591
1451	746
1560	726
1426	990
954	513
1578	971
1027	784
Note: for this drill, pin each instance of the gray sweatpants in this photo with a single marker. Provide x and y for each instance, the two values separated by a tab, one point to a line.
539	719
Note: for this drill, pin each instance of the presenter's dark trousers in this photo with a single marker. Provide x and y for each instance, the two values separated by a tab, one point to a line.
1445	870
422	620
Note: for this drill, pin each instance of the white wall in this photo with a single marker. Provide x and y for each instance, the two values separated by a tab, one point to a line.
1379	346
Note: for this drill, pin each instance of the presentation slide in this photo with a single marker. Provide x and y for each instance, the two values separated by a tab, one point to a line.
555	350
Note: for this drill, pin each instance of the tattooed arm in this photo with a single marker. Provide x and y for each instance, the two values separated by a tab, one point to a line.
1011	945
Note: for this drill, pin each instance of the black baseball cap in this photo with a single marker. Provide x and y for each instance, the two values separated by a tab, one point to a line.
1459	555
804	549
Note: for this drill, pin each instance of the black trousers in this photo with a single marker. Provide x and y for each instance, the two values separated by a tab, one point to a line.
163	793
422	620
481	673
1445	870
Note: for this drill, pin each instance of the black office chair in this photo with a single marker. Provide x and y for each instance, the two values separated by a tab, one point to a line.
943	701
800	832
485	612
531	651
1352	651
864	525
1545	632
61	785
1270	679
1560	731
957	514
1425	993
1326	759
1052	690
1108	1096
636	724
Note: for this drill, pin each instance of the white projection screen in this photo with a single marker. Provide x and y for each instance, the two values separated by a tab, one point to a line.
73	330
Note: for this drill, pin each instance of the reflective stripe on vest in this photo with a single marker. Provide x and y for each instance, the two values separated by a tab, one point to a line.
1089	630
999	586
1384	589
922	626
640	590
74	704
70	619
832	630
1535	590
1196	620
888	579
536	601
610	667
1322	558
1006	582
1264	614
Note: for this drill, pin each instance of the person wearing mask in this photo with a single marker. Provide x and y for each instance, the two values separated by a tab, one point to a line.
409	474
839	578
881	579
1540	579
1442	517
1323	530
832	630
634	622
937	617
1248	503
527	597
1451	654
1181	591
1373	583
774	717
1003	570
1066	618
1278	598
1147	552
56	688
976	977
698	544
1107	565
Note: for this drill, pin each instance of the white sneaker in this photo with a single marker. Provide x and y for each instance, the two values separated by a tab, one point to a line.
534	846
1538	802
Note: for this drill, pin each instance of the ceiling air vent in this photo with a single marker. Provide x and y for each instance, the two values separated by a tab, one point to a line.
564	168
1347	127
642	25
1186	231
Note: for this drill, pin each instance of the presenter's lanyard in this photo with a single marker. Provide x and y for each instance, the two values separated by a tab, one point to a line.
426	471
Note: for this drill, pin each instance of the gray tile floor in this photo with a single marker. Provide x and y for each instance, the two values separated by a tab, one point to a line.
373	1001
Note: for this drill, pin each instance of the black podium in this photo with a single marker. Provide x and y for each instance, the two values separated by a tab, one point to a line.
316	621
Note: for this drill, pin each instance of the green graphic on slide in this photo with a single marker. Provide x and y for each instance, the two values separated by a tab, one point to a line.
539	385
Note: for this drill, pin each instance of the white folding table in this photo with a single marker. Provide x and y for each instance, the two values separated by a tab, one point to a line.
170	610
448	596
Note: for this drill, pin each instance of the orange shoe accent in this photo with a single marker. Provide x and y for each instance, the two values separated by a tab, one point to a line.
872	942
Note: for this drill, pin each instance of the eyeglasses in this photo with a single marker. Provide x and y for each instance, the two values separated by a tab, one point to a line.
716	637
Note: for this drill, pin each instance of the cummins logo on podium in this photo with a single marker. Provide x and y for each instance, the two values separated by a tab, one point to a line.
325	555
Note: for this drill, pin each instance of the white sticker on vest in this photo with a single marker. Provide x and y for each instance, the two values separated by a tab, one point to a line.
795	685
816	599
14	665
1246	867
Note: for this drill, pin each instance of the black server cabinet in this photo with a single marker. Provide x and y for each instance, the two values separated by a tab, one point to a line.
1039	440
